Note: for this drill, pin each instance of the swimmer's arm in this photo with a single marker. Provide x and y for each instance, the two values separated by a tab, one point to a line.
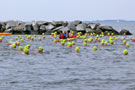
36	52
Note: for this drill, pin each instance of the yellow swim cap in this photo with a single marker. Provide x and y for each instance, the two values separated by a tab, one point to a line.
20	48
40	48
26	50
13	45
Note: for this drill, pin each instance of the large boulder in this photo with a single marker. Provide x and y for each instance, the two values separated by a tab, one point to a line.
0	27
20	27
107	29
76	22
28	27
57	29
43	27
71	26
125	31
59	23
41	22
66	29
12	24
93	26
3	28
10	30
49	27
81	27
35	26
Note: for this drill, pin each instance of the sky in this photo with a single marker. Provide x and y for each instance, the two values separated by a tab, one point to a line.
67	10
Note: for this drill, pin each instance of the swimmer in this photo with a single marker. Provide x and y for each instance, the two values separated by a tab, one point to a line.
40	50
0	39
25	52
76	50
125	52
95	48
13	45
39	39
20	48
43	37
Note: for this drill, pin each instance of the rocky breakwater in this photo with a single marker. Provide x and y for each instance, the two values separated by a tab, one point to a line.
38	27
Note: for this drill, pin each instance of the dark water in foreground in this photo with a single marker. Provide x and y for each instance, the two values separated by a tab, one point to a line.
60	69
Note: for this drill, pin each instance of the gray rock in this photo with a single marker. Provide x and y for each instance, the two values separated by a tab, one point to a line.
42	27
71	26
27	27
0	27
59	23
57	29
66	29
3	28
41	22
20	27
76	22
81	27
11	24
10	30
107	29
89	30
35	26
93	26
49	27
125	31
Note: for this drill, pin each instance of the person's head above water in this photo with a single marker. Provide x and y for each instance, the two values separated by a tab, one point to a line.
1	39
20	48
40	49
125	52
21	40
13	45
95	48
17	43
77	49
26	51
39	39
28	45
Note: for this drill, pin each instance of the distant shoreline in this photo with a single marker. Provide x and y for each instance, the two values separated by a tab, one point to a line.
107	21
93	21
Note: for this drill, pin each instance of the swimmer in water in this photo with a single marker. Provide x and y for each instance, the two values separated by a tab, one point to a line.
40	50
13	46
1	39
76	50
25	51
20	48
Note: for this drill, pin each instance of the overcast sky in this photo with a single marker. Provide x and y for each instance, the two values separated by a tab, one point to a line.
69	10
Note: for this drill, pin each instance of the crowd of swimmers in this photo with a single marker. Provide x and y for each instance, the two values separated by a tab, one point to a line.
16	43
69	38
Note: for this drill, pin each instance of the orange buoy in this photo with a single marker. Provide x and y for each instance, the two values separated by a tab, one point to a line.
5	33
